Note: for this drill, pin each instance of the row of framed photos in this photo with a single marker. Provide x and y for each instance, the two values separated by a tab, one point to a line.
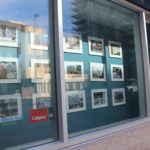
76	100
11	105
10	71
74	72
73	44
10	38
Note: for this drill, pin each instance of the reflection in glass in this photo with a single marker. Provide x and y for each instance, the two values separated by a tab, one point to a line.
25	70
110	60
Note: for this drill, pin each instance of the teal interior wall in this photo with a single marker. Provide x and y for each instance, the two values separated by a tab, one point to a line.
93	118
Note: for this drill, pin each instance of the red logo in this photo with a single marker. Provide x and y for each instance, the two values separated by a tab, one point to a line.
38	115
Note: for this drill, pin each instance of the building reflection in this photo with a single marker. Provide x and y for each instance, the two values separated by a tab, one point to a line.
26	49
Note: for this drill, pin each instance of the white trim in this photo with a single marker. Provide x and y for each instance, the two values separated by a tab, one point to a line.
106	98
38	61
17	80
91	74
34	46
69	93
60	73
116	43
122	70
80	51
78	79
113	98
98	40
38	95
19	106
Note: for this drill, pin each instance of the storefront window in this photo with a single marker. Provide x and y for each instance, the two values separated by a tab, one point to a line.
27	101
103	65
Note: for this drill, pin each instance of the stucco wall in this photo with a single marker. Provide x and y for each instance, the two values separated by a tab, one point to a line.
134	139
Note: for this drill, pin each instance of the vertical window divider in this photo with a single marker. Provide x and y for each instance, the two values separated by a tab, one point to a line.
145	58
59	57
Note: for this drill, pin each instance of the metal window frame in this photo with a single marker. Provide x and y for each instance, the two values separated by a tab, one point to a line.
64	141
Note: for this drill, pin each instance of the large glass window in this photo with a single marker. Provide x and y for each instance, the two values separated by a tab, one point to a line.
103	65
27	101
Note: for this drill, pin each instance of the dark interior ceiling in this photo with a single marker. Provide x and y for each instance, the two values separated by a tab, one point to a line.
142	3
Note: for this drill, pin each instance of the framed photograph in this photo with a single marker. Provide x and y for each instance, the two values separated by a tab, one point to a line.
117	73
9	70
118	96
41	100
99	98
74	71
96	46
115	49
10	107
39	40
73	43
97	72
9	35
75	101
40	70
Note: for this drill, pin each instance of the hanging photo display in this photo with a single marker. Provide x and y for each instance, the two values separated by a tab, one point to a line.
96	46
39	39
10	107
99	98
74	71
75	101
40	70
41	100
115	49
118	96
97	72
8	35
73	43
117	73
9	70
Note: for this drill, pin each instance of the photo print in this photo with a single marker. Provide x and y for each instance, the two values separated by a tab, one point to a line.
74	71
75	101
117	73
73	43
99	98
8	35
39	40
40	70
41	100
118	96
96	46
115	49
9	70
10	107
97	72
